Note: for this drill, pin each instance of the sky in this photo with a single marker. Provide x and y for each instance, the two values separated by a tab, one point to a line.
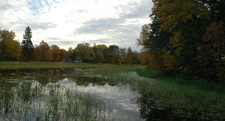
66	23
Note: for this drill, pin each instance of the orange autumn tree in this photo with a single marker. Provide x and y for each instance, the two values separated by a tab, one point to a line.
55	53
10	49
43	52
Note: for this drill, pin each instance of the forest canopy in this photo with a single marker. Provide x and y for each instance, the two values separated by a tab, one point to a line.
186	37
12	50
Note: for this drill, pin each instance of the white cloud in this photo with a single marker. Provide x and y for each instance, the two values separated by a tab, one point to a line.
76	21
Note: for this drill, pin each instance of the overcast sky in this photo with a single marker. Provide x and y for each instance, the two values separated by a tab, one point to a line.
68	22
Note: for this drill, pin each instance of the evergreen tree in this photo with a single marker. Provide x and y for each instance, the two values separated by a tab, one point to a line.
27	46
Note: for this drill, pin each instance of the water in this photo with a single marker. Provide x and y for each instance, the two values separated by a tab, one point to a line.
25	94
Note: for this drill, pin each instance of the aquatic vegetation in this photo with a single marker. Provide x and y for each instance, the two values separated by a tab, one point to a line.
51	102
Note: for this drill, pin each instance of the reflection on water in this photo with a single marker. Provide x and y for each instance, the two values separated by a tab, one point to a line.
28	87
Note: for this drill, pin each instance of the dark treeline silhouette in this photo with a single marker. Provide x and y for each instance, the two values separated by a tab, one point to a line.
11	50
186	37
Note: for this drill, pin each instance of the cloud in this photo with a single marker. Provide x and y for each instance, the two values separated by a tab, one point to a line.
77	21
39	25
59	43
100	41
99	26
54	38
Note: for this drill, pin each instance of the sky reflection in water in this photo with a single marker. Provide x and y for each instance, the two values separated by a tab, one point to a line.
119	99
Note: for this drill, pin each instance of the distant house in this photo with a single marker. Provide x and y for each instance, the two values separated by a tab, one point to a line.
70	60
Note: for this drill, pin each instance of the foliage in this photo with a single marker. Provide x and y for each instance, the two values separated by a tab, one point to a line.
85	52
10	49
145	58
55	53
144	36
43	52
212	52
27	45
186	37
99	56
132	57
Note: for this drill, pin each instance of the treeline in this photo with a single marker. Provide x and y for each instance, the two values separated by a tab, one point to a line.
12	50
186	37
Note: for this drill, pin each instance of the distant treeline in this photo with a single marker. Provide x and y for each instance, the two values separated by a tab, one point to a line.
12	50
186	37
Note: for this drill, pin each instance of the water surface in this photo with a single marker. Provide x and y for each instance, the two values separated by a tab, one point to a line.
23	87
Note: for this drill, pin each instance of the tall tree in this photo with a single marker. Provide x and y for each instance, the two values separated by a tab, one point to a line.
27	45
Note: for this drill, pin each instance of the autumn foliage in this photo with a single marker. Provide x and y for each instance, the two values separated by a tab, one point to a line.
186	37
12	50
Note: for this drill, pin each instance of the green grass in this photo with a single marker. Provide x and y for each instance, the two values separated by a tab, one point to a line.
17	65
195	83
199	99
191	99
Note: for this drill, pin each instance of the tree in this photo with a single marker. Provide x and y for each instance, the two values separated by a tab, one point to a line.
114	49
144	36
212	52
43	52
99	56
63	54
129	57
103	48
123	52
119	59
55	53
145	58
27	45
10	49
85	52
74	55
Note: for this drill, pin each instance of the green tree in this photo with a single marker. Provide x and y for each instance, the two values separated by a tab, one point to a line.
129	57
100	57
114	49
85	52
74	55
27	45
103	48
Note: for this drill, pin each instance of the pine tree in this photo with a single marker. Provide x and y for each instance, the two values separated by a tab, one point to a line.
27	46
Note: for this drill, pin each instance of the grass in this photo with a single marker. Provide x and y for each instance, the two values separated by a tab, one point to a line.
196	99
185	99
52	102
18	65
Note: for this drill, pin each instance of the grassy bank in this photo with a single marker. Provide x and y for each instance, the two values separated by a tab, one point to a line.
178	98
17	65
194	99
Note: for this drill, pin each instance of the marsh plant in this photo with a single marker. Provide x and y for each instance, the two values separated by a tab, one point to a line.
32	101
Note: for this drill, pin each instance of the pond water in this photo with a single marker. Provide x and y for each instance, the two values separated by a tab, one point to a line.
46	94
76	94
